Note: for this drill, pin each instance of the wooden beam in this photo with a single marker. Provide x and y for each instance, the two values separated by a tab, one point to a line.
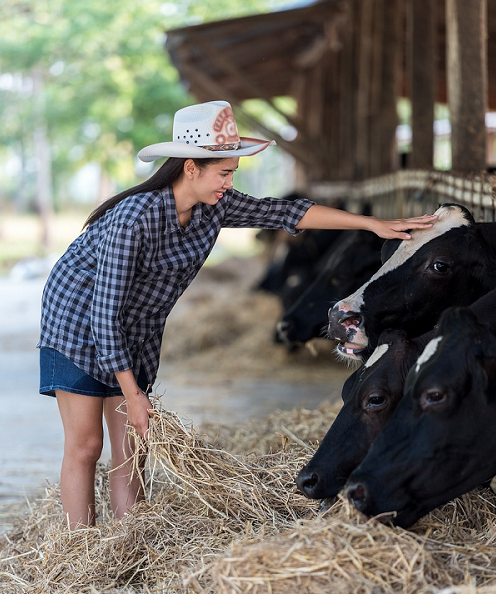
421	65
244	82
348	84
385	139
466	24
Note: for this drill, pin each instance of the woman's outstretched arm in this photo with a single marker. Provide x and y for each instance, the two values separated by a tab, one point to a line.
323	217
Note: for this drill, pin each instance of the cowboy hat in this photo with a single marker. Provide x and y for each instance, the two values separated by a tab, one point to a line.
205	131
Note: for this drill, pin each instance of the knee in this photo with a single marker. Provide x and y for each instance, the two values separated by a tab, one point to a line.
86	450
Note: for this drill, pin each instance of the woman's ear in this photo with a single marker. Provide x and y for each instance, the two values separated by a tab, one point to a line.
189	168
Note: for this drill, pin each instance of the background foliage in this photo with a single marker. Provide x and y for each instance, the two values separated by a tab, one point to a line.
88	82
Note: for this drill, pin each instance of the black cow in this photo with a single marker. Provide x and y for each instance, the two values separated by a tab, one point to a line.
441	441
452	263
348	263
370	396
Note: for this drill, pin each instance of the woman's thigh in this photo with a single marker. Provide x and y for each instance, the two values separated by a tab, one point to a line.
82	418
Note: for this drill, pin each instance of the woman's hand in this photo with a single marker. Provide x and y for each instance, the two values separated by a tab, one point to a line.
139	409
397	228
138	405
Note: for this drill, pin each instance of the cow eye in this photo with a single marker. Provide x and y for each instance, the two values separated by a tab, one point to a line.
441	267
433	397
375	402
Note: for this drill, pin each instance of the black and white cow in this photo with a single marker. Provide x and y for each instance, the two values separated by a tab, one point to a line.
452	263
348	263
440	441
370	396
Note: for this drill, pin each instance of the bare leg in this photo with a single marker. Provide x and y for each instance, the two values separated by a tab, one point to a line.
125	489
83	443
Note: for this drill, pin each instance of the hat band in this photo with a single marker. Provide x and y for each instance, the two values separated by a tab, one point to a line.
222	147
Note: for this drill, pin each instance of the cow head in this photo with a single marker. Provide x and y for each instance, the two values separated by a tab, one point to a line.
440	442
437	268
370	396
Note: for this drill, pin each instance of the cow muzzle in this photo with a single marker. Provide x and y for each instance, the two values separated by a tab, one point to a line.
347	328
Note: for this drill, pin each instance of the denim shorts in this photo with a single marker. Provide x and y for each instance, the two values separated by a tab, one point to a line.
57	372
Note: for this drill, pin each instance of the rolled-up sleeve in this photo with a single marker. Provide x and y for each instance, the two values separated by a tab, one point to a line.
118	253
265	213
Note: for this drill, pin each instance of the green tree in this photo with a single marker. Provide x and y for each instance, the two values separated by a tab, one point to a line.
89	81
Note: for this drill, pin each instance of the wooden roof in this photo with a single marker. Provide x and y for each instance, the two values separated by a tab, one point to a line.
254	56
338	59
257	56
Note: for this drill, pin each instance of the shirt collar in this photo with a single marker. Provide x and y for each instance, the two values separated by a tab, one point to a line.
172	220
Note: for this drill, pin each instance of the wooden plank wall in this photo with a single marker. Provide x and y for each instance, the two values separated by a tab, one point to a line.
349	99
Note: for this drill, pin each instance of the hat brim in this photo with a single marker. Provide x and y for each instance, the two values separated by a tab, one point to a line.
248	147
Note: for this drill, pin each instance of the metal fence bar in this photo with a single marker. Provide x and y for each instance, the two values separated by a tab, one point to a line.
414	192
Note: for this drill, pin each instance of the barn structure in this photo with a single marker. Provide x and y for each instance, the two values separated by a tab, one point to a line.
346	63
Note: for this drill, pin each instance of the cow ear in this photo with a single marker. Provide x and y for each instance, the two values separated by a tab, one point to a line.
487	356
388	248
488	232
350	382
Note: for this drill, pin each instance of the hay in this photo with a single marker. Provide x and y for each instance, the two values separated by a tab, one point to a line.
200	499
275	431
215	522
340	552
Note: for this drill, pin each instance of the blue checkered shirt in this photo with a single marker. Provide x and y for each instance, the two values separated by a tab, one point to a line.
107	299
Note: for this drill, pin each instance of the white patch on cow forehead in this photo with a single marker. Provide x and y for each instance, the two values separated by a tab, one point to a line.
449	217
379	352
428	352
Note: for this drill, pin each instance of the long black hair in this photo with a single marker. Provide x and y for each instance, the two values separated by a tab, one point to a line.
165	176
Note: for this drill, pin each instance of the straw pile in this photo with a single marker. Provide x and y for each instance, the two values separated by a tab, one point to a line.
215	522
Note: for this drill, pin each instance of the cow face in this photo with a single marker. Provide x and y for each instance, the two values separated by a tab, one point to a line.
370	396
440	442
435	269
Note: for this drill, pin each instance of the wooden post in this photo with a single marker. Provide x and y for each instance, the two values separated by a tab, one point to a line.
466	24
365	41
387	120
421	24
348	84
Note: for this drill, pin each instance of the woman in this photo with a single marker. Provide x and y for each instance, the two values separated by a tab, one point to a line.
107	299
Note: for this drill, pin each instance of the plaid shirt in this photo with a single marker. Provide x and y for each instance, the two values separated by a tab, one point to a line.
107	299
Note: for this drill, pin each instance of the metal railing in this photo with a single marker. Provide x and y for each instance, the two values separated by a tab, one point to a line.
414	192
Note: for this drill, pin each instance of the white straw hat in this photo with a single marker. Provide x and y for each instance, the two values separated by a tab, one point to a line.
205	131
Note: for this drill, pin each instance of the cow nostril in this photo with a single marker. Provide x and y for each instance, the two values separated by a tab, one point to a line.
357	494
306	482
350	319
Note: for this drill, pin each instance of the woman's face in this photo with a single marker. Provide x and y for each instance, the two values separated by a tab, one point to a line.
210	183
